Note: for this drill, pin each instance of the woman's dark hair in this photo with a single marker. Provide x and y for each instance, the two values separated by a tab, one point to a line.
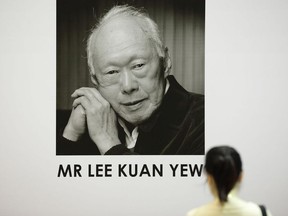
224	164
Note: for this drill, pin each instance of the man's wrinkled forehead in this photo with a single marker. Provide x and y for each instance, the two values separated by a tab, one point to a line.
117	31
126	22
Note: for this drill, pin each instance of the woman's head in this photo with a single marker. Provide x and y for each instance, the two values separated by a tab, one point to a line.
224	165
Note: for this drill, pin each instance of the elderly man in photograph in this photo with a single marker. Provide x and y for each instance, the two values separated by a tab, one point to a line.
135	107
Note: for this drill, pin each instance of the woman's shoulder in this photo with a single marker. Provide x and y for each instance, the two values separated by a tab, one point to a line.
234	207
204	210
242	207
251	208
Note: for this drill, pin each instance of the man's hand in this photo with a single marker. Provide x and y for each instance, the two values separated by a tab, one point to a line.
76	124
100	117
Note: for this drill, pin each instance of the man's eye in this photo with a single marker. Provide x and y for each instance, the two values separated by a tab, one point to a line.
112	72
137	66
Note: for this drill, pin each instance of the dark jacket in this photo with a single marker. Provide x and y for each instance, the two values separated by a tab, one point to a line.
176	128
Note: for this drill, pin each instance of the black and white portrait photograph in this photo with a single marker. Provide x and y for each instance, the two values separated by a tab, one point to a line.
130	77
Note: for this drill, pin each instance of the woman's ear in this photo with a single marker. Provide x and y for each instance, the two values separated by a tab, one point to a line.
210	180
240	178
211	184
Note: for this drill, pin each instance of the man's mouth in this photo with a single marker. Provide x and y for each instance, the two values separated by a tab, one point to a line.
132	103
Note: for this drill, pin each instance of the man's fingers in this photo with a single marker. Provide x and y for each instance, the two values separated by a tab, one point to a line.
79	108
83	92
91	94
99	97
83	101
89	107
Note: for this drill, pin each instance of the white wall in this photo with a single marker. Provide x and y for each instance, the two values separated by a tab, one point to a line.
246	106
246	92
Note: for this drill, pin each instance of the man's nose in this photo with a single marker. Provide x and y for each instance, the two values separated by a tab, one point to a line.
128	82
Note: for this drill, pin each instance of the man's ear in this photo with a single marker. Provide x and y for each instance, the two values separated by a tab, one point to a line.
94	79
167	63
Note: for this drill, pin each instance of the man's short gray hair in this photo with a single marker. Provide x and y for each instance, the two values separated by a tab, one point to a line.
150	28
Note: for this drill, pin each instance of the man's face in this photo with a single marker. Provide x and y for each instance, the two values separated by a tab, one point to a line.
128	70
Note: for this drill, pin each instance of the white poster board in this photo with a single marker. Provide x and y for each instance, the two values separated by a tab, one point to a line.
246	107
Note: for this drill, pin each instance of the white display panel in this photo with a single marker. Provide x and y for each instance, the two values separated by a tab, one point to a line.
246	107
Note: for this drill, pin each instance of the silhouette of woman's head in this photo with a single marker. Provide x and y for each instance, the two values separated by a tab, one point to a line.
223	164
